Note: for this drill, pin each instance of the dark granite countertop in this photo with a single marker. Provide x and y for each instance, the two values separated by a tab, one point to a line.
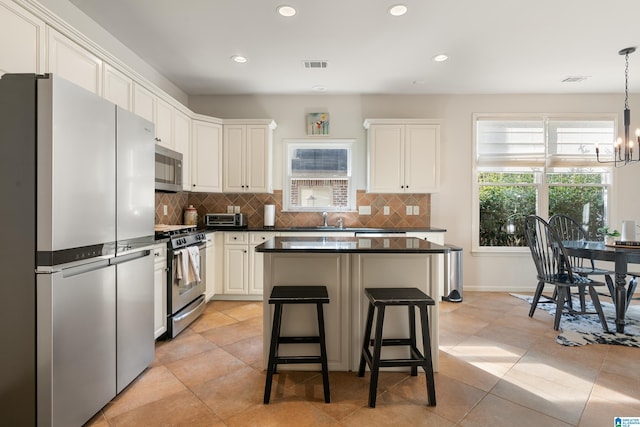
345	229
409	245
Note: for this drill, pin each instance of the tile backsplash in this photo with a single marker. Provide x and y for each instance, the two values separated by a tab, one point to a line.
252	205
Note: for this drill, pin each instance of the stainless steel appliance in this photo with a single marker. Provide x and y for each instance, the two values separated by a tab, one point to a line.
65	216
225	220
168	169
135	217
185	298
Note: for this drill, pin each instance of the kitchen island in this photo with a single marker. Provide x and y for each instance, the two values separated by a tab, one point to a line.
346	266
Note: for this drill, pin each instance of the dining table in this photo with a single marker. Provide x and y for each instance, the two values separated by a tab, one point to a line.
621	255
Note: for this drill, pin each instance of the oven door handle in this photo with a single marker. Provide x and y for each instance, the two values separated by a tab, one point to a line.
182	316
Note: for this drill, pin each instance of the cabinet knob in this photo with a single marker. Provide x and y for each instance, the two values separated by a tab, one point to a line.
193	185
158	139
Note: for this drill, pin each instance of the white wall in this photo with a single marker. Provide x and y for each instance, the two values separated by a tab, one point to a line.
452	206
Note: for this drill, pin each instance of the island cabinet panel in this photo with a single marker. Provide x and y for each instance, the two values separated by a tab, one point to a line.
392	271
330	270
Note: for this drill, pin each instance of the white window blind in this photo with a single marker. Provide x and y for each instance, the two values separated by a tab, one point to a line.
539	142
510	142
573	142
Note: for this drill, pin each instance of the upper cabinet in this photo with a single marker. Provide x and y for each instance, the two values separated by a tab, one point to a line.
71	61
182	144
117	87
403	156
206	157
164	124
22	47
247	156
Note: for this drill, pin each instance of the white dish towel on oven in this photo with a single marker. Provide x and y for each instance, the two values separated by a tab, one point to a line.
188	265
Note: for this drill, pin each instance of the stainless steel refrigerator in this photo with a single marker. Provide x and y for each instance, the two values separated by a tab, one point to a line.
77	213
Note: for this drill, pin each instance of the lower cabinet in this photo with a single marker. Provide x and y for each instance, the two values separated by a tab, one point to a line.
210	261
160	290
242	265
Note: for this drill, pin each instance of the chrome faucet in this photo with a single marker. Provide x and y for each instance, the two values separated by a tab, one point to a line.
324	218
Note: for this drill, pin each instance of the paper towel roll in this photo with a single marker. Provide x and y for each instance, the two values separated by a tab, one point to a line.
269	215
629	231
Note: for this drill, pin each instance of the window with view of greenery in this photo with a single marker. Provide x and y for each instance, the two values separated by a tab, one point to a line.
542	166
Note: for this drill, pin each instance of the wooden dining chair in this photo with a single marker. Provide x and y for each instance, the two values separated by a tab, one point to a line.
554	267
568	228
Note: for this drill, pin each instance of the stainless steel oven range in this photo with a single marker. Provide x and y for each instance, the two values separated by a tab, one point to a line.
185	293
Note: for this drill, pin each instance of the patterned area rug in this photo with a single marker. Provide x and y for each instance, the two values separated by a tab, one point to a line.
584	329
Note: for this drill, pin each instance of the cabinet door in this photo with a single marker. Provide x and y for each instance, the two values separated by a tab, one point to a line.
206	157
144	103
182	144
210	259
256	262
258	159
118	88
422	150
74	63
22	51
234	159
160	291
164	123
386	159
236	258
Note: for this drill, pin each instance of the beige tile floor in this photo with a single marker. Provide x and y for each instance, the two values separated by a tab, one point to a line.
498	367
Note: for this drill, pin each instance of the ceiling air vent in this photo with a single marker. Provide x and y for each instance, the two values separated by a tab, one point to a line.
575	79
314	63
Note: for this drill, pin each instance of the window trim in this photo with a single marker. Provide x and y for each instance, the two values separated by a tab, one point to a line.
347	143
541	184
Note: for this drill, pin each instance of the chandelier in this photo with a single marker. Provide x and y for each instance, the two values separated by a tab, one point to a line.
623	149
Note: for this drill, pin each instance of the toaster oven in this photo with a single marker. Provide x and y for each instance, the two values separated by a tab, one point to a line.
225	220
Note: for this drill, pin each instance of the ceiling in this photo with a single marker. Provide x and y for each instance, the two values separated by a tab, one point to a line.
494	46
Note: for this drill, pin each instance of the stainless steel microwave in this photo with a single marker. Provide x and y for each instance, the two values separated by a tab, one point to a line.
168	169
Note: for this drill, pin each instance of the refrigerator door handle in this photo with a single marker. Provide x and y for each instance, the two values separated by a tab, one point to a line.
130	256
85	268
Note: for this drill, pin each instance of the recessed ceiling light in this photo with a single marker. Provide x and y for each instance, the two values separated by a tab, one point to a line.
319	88
398	10
239	59
286	11
440	57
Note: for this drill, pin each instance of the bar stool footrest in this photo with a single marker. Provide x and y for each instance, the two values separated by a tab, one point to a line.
283	360
298	340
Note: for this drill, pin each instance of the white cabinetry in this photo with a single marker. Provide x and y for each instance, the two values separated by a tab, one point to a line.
256	260
71	61
146	104
403	156
210	263
206	157
22	47
164	123
118	88
236	263
160	290
243	266
247	156
182	144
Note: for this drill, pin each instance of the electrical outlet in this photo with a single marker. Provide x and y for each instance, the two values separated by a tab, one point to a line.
165	210
236	209
409	210
364	210
386	210
416	210
229	209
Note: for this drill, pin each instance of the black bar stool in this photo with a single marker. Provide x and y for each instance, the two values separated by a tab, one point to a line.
281	295
381	298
